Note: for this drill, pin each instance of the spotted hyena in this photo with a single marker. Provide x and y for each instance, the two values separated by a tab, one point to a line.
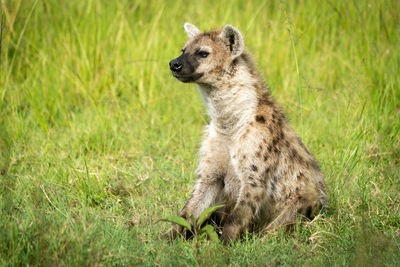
251	160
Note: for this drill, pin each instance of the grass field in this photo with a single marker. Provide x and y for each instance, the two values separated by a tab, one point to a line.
98	141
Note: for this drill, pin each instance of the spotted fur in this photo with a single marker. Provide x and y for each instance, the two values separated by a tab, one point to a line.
251	159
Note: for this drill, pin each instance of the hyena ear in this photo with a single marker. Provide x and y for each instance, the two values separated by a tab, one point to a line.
233	40
191	30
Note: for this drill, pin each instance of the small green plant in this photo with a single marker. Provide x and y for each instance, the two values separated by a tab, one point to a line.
197	229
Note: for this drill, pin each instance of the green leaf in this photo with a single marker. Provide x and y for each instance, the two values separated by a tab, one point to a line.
178	220
193	220
209	231
207	213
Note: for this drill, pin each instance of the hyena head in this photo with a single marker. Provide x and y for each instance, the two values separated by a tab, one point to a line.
206	57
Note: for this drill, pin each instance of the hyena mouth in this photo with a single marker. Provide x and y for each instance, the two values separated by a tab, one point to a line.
187	78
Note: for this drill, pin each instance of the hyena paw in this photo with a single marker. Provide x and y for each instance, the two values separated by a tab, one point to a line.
230	233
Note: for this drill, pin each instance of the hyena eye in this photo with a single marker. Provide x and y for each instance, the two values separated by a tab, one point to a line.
203	54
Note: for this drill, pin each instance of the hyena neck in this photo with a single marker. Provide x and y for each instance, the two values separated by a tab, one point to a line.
232	102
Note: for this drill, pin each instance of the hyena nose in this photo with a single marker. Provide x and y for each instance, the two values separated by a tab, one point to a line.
175	65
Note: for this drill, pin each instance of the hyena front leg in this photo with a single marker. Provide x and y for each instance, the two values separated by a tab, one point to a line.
248	204
208	190
253	165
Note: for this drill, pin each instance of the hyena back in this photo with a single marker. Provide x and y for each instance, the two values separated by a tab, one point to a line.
251	160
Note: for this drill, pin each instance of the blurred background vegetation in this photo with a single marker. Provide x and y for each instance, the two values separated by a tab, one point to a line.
98	140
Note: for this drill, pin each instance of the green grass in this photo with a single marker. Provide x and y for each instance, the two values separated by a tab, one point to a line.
98	141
